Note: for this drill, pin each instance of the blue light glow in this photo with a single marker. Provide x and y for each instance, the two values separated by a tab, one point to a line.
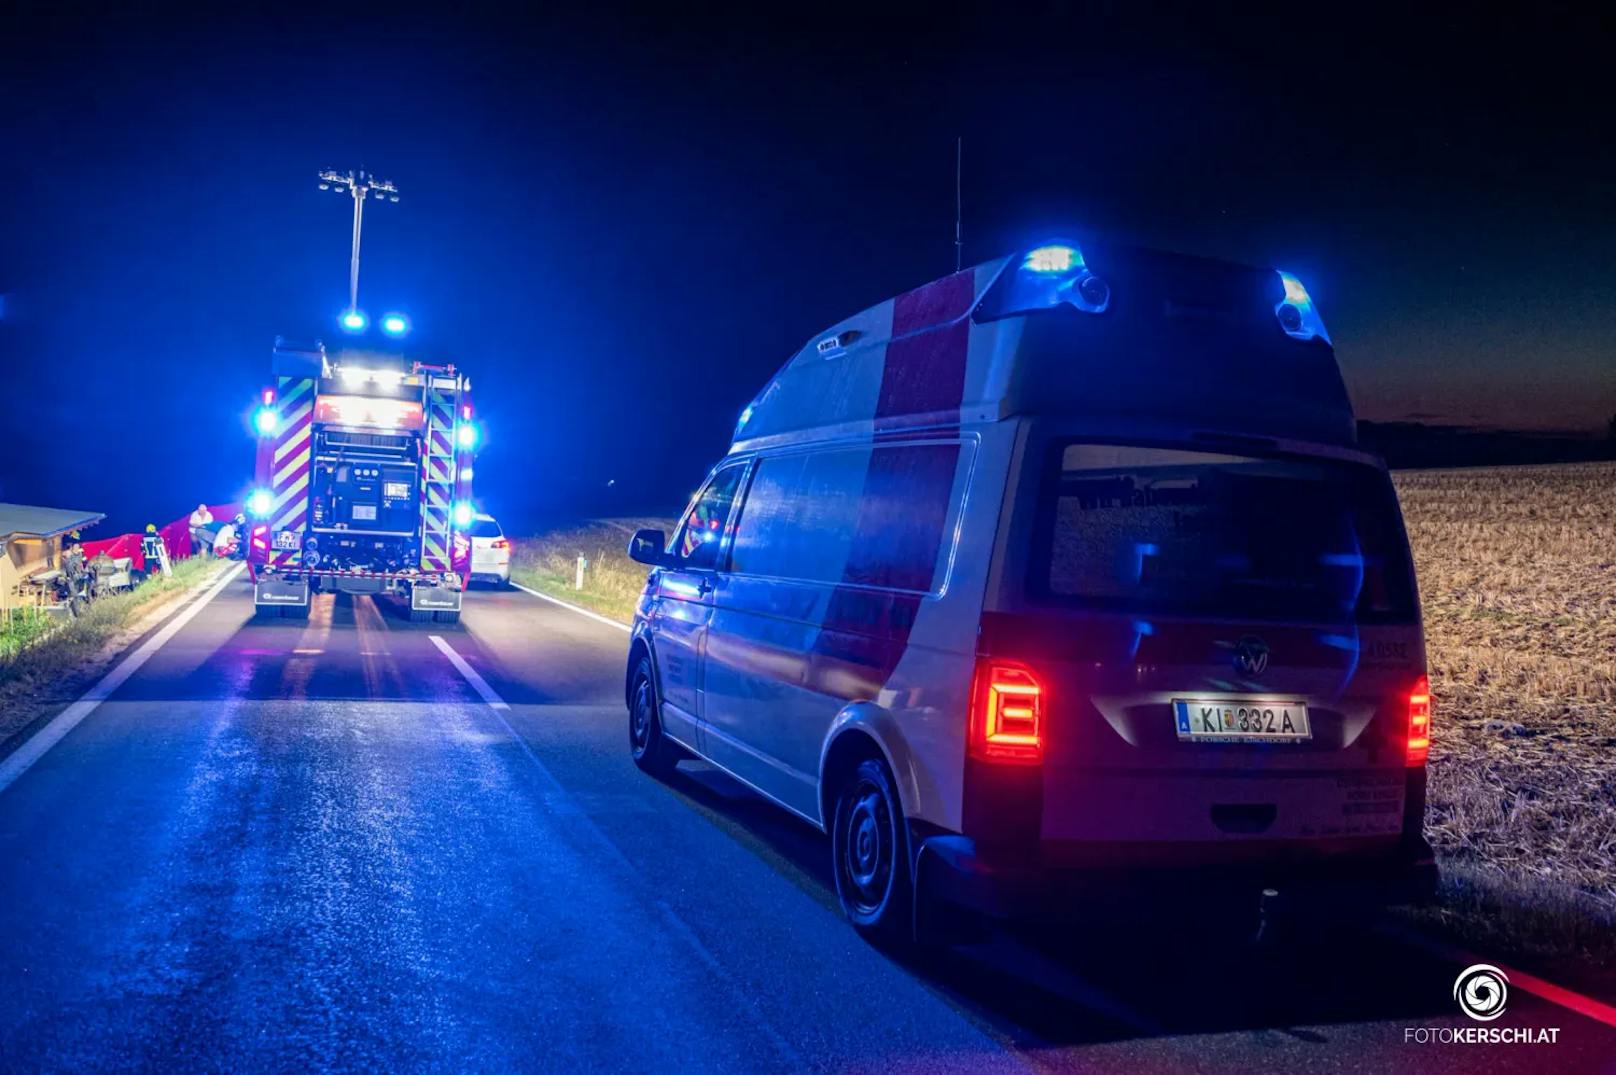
395	324
354	321
266	421
260	503
463	514
1053	259
1305	323
466	435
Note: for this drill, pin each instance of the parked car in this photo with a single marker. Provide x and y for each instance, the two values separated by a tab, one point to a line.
490	552
1057	584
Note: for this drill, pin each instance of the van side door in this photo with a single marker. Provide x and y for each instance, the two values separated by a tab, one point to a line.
683	603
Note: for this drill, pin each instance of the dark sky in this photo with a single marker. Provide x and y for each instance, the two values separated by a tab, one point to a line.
620	224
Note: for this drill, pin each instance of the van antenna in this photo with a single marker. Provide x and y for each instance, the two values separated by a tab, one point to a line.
959	242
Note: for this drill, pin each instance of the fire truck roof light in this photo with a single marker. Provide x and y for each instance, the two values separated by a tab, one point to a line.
395	324
354	320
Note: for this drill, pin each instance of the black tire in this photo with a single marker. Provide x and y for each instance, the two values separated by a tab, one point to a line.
652	751
870	855
446	616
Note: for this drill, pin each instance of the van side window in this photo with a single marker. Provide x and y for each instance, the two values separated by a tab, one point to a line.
871	516
700	540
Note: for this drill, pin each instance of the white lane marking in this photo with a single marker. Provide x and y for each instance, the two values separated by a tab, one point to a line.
18	761
1569	999
478	683
597	617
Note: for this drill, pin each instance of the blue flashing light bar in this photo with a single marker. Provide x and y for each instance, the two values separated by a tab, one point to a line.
260	503
266	421
395	324
354	321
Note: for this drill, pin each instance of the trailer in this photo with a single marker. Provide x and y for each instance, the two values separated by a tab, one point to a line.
363	482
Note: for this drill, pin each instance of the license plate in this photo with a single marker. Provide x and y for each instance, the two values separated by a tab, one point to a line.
286	539
1241	720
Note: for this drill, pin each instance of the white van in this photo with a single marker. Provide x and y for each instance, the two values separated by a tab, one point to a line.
1056	584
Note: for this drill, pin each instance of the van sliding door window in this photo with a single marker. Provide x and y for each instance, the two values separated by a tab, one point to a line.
1170	531
882	517
700	541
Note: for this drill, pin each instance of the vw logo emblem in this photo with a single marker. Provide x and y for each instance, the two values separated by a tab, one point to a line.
1251	656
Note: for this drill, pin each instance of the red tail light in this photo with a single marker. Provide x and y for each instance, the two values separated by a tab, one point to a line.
499	543
260	536
1007	713
1419	722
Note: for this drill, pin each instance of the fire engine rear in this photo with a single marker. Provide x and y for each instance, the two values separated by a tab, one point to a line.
364	482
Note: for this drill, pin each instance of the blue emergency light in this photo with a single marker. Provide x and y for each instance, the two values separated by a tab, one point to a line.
354	320
260	503
466	435
395	324
1297	315
463	514
266	421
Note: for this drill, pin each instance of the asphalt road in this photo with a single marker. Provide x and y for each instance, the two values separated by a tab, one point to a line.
319	847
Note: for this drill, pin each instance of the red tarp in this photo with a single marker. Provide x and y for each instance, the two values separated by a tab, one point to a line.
176	538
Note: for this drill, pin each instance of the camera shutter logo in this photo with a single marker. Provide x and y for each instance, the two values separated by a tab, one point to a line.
1482	991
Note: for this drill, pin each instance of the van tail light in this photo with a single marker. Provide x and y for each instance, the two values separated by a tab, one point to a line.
499	543
1007	713
1419	722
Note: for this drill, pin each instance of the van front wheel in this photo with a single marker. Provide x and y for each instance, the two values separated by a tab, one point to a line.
653	752
870	852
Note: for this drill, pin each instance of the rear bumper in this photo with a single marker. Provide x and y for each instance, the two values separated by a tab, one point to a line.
955	870
490	572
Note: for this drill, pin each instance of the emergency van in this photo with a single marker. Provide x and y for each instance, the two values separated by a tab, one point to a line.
1057	584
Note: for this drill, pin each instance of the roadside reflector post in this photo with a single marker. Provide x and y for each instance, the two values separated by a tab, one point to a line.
578	579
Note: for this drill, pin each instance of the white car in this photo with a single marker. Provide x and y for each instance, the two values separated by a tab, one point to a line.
490	552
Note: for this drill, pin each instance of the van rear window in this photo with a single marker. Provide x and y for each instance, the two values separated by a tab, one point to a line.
1171	531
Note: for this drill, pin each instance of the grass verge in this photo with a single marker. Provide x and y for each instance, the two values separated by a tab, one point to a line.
612	582
59	662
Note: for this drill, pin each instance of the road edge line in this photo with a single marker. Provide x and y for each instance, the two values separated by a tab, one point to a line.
469	674
1569	999
37	745
597	617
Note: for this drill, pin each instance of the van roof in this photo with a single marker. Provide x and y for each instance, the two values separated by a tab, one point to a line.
1115	337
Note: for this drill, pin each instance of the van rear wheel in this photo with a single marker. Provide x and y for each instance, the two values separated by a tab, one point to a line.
653	752
870	854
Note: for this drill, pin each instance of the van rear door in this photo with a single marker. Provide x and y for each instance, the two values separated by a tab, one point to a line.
1226	645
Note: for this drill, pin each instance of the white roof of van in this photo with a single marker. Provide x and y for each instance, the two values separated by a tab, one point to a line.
1180	343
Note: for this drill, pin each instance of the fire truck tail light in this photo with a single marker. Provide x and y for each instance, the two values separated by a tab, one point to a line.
1419	722
1007	713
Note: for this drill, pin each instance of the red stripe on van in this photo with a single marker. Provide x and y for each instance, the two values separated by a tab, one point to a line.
924	371
906	496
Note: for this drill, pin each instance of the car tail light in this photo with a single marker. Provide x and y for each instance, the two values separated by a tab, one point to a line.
499	543
1007	713
1419	722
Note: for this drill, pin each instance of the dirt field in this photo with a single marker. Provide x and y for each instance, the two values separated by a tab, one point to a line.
1517	574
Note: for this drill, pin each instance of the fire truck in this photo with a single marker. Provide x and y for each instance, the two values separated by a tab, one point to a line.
363	482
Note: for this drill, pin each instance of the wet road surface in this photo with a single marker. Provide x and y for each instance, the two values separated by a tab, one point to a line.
318	846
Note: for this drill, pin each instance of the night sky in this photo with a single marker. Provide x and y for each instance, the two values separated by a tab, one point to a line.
621	224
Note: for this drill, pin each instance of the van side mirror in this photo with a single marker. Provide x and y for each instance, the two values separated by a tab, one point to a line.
648	546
